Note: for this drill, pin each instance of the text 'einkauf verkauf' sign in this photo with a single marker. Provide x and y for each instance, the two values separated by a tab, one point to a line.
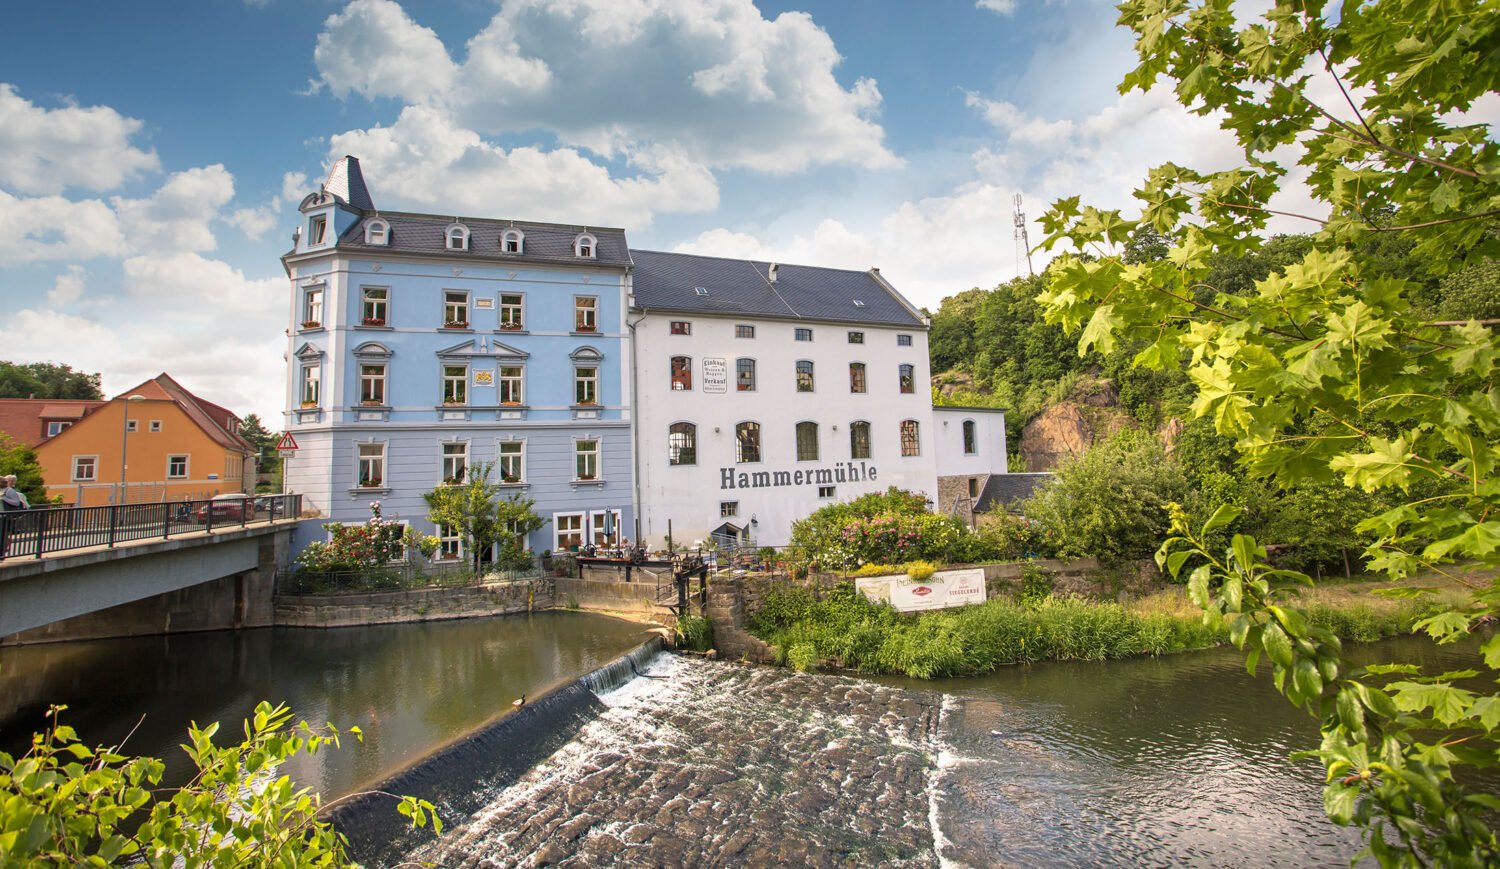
715	376
946	588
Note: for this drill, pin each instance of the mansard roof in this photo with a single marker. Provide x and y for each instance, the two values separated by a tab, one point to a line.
689	283
545	242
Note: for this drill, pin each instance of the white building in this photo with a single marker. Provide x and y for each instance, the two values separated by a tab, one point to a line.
766	391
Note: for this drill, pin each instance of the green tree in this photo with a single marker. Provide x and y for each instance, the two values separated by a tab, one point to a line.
264	441
482	518
19	459
46	380
1329	369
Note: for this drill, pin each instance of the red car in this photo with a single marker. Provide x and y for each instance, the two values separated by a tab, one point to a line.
227	508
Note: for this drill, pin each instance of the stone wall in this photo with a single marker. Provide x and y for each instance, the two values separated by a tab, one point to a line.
414	605
590	594
730	600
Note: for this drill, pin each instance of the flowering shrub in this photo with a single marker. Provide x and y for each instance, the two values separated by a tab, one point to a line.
891	527
373	543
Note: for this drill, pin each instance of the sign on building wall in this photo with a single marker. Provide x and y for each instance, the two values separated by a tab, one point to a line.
715	376
484	303
484	378
946	588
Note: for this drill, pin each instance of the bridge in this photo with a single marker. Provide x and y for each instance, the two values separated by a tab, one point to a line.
214	561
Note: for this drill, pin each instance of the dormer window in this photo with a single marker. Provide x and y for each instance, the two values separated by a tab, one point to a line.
512	241
317	229
378	232
585	245
458	237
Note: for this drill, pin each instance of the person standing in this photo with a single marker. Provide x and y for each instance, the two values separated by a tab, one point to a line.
12	500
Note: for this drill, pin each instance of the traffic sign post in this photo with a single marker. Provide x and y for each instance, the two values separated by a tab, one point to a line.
287	447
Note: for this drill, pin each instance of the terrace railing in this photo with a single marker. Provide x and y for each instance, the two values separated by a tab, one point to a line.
44	530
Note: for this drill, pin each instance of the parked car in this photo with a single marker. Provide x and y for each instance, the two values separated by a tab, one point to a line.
227	508
271	505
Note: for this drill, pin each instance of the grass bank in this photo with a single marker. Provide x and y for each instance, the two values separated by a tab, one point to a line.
843	629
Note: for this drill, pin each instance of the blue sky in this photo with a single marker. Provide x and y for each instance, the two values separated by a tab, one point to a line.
151	155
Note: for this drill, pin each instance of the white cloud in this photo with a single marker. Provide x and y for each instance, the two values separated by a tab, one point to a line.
68	288
181	282
426	161
178	216
47	228
1003	7
48	150
714	81
293	187
254	222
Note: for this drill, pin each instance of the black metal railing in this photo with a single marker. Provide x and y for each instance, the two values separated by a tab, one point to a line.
44	530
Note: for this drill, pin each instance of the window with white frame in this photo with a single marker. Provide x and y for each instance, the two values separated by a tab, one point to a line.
450	542
826	491
585	384
911	442
682	444
455	309
458	237
585	314
856	337
604	527
512	241
585	245
682	373
312	308
371	468
512	311
377	232
373	306
54	428
510	384
807	442
372	384
154	426
317	229
744	330
455	384
586	459
85	468
802	334
455	463
177	467
747	442
859	440
310	383
512	461
567	531
744	375
729	509
132	425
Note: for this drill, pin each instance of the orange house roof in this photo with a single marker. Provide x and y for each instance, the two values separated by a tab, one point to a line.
25	419
220	424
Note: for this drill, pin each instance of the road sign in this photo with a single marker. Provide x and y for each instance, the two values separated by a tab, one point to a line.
287	443
287	454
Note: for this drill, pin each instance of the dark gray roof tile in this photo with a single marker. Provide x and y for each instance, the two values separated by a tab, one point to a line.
1006	491
549	242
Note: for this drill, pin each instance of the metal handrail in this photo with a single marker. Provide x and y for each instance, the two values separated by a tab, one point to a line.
44	529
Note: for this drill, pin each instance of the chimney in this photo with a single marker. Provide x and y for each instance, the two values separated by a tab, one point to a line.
772	272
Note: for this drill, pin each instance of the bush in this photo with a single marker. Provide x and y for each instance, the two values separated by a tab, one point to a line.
893	527
803	657
920	571
695	632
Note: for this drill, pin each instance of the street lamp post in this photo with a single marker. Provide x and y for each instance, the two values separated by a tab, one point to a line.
124	435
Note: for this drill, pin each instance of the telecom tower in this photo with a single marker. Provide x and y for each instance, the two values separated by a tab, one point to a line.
1023	245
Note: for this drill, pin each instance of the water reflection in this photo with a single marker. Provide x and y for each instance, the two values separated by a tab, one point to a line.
409	687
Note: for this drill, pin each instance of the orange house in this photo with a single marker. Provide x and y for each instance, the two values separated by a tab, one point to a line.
171	445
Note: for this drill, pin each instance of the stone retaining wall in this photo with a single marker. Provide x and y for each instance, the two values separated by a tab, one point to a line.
589	594
414	605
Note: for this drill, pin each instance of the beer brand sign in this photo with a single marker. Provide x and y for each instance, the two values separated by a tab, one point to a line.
946	588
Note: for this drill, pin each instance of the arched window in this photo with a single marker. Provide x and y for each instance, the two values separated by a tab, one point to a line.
512	241
585	245
911	440
908	379
804	376
856	377
971	440
744	375
747	442
682	444
807	442
458	237
859	440
682	373
378	232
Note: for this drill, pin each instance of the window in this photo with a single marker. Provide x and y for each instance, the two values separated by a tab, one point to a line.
455	310
317	229
458	237
85	468
586	460
372	384
682	444
973	487
154	426
455	463
569	531
450	542
804	376
312	309
700	291
859	440
177	467
971	445
744	375
55	428
585	245
682	373
512	241
310	381
132	425
911	443
825	491
856	377
908	380
729	509
803	334
605	527
585	385
512	461
807	442
455	384
747	442
682	327
371	464
377	232
510	384
744	331
512	308
903	340
373	309
585	314
856	337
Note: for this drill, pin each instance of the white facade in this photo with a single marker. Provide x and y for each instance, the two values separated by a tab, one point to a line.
970	441
717	485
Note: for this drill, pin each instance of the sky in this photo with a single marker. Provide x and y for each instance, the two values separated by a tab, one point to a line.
152	155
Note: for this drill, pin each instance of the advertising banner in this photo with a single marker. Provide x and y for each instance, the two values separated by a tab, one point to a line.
946	588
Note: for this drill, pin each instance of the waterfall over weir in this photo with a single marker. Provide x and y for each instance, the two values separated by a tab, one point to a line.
622	669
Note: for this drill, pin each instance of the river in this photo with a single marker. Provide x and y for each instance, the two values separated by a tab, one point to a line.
1158	761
